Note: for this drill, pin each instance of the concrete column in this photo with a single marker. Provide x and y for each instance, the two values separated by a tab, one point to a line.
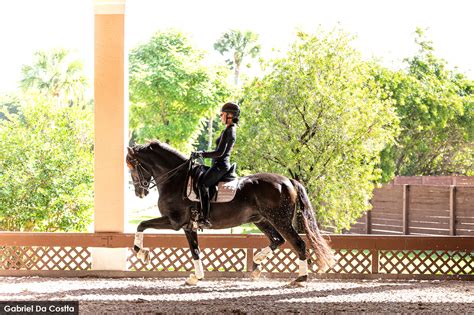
111	127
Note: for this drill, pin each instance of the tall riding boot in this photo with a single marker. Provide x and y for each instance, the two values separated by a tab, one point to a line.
205	207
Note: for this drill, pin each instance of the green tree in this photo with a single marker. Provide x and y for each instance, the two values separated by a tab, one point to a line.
46	163
317	117
436	110
238	44
55	73
9	103
171	92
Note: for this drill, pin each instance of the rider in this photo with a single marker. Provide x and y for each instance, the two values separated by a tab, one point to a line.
220	158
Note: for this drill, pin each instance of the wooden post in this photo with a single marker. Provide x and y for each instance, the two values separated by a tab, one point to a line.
250	259
406	200
452	210
368	222
375	261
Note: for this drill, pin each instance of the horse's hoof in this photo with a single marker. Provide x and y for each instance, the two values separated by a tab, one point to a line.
144	255
192	280
299	282
256	274
136	249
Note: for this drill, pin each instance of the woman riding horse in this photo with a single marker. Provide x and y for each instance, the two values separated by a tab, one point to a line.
270	201
220	159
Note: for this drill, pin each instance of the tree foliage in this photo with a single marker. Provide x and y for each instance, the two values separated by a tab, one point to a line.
436	110
46	163
171	92
55	73
237	45
317	117
46	156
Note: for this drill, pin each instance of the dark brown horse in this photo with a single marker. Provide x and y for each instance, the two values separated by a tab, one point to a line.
270	201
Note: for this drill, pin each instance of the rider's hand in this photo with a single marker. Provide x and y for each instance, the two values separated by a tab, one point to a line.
196	154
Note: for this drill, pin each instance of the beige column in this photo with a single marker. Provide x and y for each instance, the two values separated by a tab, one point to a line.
110	125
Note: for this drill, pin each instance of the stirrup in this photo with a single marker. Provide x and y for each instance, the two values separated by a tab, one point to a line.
204	223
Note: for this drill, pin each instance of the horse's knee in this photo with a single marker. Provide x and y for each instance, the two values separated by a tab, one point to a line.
141	227
277	243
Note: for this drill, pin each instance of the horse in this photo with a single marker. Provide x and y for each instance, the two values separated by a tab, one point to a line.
268	200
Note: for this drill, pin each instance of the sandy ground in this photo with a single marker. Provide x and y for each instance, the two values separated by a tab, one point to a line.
242	296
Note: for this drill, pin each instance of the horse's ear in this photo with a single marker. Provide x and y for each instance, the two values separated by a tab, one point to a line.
130	151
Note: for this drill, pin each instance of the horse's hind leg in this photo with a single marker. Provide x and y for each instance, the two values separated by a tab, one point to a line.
276	240
298	244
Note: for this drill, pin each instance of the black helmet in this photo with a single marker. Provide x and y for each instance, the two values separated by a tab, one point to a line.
231	108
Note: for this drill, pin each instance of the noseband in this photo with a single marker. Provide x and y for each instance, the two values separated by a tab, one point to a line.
142	182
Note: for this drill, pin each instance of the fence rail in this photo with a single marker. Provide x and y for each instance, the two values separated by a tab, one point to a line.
434	180
360	256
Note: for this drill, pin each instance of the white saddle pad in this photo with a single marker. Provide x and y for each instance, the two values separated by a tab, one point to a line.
225	191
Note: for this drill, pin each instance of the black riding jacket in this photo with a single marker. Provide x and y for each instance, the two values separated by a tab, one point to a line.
221	155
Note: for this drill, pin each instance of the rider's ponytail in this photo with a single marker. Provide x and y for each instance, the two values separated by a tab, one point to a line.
235	120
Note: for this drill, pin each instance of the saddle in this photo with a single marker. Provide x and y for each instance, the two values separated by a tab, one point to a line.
224	191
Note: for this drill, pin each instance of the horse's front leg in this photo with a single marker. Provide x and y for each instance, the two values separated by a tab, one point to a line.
158	223
198	274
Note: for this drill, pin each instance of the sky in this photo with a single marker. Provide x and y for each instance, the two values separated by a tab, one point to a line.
383	28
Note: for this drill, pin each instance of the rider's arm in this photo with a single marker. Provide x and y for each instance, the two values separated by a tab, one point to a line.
227	139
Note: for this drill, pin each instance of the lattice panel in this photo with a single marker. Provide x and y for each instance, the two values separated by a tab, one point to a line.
44	258
281	260
355	261
347	261
180	259
426	262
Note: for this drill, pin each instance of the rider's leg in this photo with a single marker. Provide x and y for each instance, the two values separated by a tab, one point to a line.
210	178
205	206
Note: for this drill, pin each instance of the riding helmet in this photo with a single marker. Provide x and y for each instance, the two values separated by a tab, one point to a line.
231	108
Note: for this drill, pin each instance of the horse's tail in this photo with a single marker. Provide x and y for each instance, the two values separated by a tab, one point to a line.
324	255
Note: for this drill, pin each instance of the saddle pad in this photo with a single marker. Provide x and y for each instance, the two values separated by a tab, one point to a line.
225	191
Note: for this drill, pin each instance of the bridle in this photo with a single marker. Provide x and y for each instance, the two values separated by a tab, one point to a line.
141	170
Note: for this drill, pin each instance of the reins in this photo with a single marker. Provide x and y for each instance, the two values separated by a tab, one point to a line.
163	178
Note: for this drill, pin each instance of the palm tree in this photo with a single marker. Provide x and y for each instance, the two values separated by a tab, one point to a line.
238	44
53	73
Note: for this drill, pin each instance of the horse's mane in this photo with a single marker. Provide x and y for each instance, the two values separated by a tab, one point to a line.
164	146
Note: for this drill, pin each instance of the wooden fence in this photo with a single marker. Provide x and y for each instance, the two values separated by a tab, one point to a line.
421	206
358	256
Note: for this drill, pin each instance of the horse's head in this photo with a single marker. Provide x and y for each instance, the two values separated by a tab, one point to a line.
154	161
141	177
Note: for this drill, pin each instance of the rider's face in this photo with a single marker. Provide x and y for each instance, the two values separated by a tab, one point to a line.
224	117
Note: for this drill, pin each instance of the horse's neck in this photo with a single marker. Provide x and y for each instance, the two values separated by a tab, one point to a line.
162	165
169	161
176	180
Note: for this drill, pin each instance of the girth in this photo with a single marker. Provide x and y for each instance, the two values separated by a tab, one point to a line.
226	186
